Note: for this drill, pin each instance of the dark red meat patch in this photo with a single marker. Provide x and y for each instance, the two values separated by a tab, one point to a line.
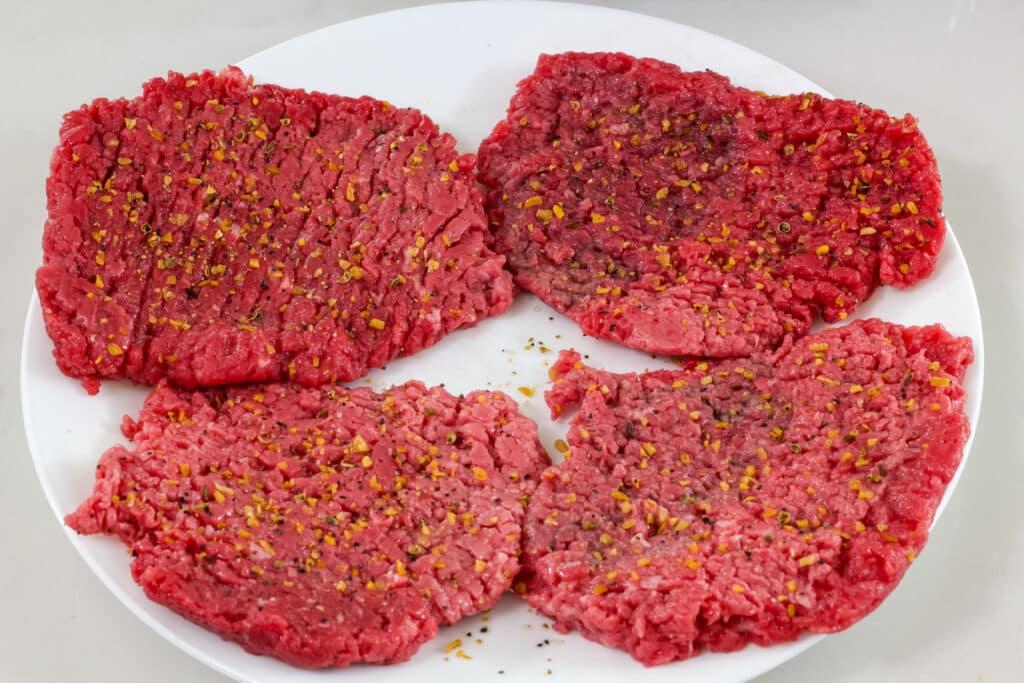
321	526
744	501
214	231
676	213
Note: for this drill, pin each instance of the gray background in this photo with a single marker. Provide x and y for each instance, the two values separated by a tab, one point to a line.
956	64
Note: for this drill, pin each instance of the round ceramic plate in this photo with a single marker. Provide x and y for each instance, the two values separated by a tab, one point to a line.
460	64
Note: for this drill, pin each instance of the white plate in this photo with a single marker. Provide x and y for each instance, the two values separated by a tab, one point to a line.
460	64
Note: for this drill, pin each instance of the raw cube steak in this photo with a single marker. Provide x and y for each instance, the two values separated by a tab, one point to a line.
214	231
322	526
742	501
677	213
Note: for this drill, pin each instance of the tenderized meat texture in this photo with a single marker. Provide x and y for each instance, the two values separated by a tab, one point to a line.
743	501
322	526
213	231
676	213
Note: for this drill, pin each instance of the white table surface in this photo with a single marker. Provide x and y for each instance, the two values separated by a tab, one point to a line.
956	64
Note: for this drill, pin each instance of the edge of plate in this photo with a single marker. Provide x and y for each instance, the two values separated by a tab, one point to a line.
35	309
977	369
571	6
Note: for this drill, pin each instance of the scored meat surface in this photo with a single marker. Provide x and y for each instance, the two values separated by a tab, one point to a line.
677	213
322	526
216	231
741	501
